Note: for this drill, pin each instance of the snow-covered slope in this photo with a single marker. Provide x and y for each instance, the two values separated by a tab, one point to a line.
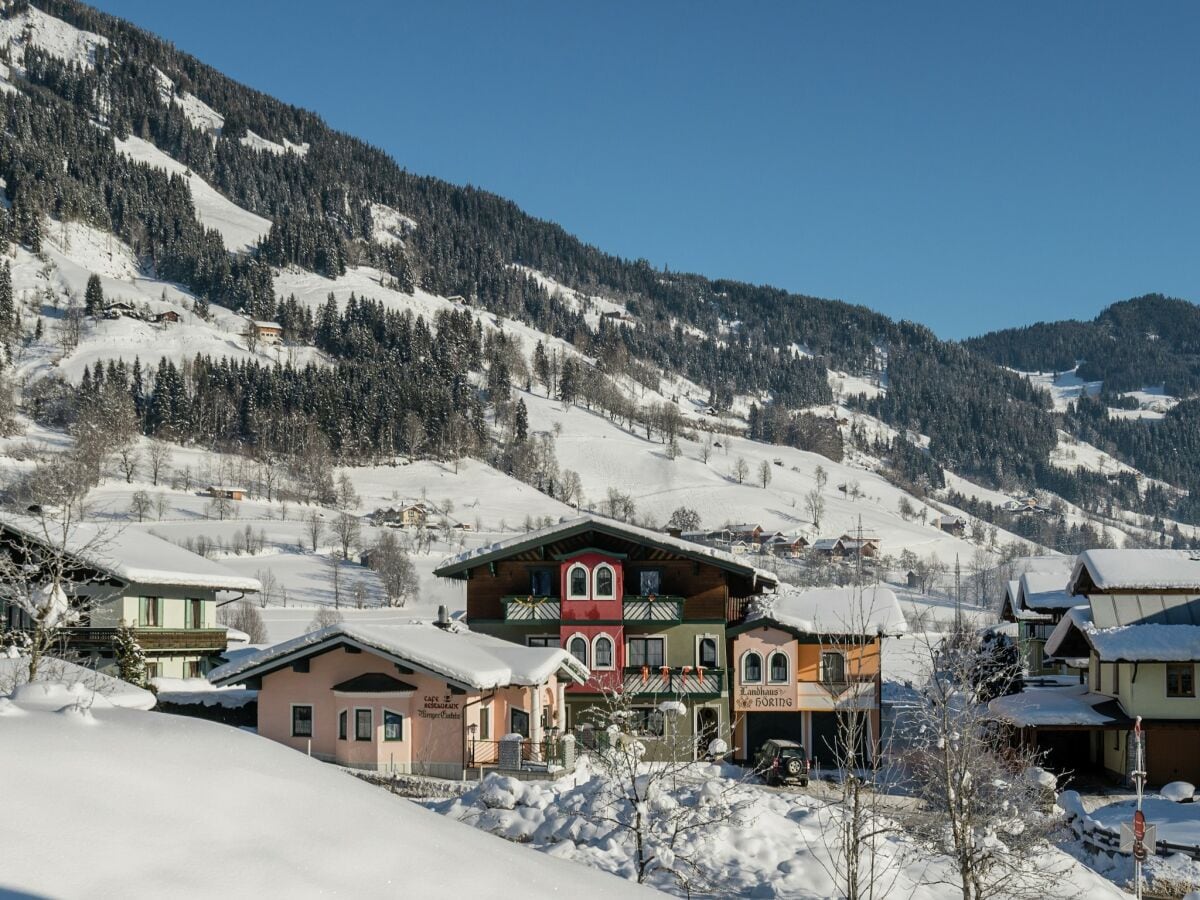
54	36
118	803
71	253
239	228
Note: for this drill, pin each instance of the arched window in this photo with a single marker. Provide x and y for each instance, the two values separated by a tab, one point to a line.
578	647
605	581
602	652
707	655
577	582
751	668
779	668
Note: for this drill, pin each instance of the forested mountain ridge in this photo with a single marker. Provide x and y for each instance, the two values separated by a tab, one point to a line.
75	124
1149	340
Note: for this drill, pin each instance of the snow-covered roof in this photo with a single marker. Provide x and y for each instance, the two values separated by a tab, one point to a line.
135	556
463	657
275	325
833	611
1073	705
1043	591
457	566
1150	642
825	543
61	683
1107	571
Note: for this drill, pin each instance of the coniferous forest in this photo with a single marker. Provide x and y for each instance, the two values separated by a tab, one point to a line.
982	420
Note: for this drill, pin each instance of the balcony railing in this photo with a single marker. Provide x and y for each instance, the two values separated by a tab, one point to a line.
673	680
653	608
528	608
202	640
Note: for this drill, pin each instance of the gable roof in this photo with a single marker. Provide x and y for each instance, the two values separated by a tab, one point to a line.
1044	592
133	556
1130	571
464	658
1151	642
374	683
828	611
458	566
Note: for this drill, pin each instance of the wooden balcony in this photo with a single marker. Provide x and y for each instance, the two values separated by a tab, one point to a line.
196	640
526	608
674	681
659	608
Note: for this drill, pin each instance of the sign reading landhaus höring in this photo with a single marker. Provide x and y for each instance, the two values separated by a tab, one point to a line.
751	697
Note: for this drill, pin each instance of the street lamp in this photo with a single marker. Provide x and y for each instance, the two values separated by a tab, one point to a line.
472	729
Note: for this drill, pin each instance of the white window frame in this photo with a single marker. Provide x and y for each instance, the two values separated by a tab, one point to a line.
612	652
312	720
586	643
716	639
371	710
787	661
821	676
344	711
596	595
571	595
742	668
666	645
383	726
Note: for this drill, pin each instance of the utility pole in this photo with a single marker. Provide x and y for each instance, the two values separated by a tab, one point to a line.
957	596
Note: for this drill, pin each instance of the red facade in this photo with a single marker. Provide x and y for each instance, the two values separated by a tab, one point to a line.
592	587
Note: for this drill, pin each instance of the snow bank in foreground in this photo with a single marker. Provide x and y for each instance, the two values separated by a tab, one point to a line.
772	844
171	806
61	683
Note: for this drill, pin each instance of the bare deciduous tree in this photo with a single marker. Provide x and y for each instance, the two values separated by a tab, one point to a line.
158	457
741	469
314	528
814	504
666	810
244	617
982	802
139	505
395	570
42	566
764	473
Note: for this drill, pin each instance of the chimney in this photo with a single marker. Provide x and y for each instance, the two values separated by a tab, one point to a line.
443	617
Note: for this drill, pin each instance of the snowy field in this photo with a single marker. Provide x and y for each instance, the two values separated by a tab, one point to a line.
131	804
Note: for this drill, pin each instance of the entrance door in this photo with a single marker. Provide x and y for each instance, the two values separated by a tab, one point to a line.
708	728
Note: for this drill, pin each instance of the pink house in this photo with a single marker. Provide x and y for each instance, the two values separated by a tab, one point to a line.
428	698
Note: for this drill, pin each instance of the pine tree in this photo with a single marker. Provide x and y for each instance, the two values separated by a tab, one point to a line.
520	422
93	297
131	659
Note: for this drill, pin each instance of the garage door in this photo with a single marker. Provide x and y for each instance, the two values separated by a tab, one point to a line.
825	740
1172	754
762	727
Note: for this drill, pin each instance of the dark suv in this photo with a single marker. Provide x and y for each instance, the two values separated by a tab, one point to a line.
782	762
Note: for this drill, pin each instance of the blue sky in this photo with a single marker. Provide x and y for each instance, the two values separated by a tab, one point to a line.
968	166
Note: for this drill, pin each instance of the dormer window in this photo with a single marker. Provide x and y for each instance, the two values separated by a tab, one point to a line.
606	582
577	582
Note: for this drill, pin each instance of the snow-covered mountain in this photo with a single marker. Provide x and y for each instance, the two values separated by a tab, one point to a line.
197	206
